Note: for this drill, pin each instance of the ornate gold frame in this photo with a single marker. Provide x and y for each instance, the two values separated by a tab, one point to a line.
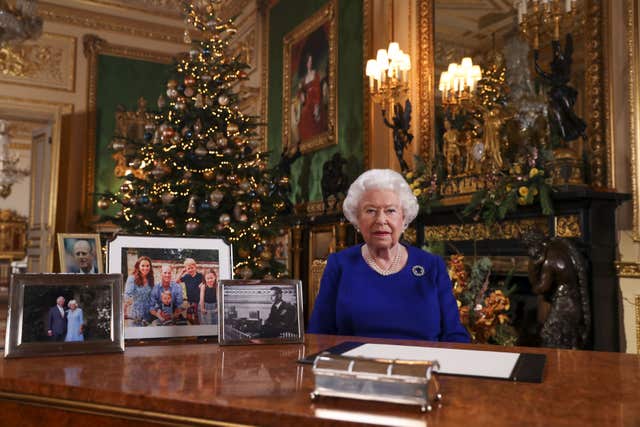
633	52
596	97
94	46
326	13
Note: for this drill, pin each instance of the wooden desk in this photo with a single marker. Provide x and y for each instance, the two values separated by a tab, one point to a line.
204	384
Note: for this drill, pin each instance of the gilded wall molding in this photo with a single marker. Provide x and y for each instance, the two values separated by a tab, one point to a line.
628	269
367	37
425	68
168	8
263	9
92	47
596	94
567	226
512	229
99	21
633	52
232	8
48	62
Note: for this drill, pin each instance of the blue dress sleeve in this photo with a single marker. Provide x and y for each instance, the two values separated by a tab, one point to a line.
128	286
323	317
452	329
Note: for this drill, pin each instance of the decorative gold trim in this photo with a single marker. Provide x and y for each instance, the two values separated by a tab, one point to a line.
479	231
608	95
98	21
264	8
111	411
32	58
627	269
317	269
166	11
596	92
633	55
638	324
233	8
94	46
367	37
567	226
327	13
425	68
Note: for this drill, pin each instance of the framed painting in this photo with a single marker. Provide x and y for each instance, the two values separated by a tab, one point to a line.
260	311
309	119
80	253
171	284
60	314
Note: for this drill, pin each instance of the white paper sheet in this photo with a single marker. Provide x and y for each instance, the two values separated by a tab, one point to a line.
492	364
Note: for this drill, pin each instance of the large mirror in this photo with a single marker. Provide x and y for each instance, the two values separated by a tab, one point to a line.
526	97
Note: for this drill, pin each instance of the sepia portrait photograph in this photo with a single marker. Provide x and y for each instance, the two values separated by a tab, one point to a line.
170	291
260	311
59	313
80	253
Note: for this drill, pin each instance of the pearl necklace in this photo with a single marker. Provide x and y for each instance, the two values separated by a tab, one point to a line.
374	265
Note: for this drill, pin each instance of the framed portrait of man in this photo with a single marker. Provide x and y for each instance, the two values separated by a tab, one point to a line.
309	82
80	253
260	311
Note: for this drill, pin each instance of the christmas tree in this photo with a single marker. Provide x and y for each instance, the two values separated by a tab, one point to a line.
198	169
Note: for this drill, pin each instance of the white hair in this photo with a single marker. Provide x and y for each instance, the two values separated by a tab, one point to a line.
72	301
380	179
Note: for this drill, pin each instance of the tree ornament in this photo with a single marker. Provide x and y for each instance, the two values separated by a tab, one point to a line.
192	226
223	100
172	93
208	175
199	103
216	196
161	102
256	205
266	254
167	197
242	74
170	222
232	128
189	91
103	203
255	226
117	144
172	84
245	272
189	80
221	141
197	126
126	187
168	132
225	219
180	155
191	209
200	151
211	144
163	213
245	185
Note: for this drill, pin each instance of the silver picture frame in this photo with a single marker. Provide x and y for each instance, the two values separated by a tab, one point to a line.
95	301
208	253
260	312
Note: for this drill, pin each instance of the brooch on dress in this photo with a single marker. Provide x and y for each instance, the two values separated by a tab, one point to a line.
417	270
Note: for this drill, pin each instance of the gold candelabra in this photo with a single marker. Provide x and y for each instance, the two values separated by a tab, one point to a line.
458	83
389	74
536	17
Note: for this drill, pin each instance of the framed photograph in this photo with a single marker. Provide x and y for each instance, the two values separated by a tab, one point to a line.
60	314
260	311
280	247
170	283
309	117
80	253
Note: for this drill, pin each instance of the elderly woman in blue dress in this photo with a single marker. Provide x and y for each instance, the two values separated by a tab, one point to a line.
383	288
137	292
75	322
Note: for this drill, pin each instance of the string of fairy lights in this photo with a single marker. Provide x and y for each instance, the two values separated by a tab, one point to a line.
198	168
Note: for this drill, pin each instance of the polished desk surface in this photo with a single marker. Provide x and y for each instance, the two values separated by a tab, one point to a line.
263	385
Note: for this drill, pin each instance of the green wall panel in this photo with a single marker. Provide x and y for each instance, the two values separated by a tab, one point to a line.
121	81
306	172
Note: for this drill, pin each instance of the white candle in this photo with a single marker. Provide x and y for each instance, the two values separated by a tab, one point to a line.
567	6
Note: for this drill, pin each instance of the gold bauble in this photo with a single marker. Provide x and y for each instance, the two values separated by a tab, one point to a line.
103	203
208	175
266	255
170	222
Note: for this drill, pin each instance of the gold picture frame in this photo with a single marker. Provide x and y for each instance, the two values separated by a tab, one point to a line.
92	325
80	253
309	113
